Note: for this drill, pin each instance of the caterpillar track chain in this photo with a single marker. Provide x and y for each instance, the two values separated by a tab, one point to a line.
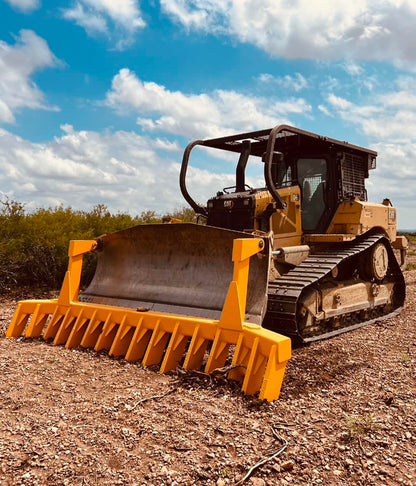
287	295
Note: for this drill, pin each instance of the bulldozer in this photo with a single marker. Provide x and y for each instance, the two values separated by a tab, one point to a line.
303	257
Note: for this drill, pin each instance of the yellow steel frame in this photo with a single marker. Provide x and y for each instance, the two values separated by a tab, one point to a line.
259	356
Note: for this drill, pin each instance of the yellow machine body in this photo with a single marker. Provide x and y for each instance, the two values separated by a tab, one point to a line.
286	224
352	218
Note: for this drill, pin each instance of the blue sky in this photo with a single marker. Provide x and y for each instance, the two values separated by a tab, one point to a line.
99	98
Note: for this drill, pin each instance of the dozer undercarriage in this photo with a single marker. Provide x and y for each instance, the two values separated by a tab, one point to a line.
336	289
311	258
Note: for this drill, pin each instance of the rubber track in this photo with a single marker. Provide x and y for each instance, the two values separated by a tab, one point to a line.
285	293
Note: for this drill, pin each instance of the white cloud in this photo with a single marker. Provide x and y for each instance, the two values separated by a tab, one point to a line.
297	82
325	110
198	14
123	170
197	115
17	64
125	12
118	20
24	5
92	22
406	83
338	102
390	116
352	68
388	121
399	99
395	178
361	29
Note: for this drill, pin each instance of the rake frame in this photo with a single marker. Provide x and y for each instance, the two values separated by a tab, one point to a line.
157	338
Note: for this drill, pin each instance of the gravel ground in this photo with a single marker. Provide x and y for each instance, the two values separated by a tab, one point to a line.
346	416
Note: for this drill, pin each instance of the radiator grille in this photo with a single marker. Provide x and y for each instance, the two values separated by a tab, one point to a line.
352	177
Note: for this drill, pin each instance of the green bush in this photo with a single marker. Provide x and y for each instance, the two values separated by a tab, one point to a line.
34	245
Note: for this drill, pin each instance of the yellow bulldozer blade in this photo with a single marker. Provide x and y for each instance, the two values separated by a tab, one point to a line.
164	337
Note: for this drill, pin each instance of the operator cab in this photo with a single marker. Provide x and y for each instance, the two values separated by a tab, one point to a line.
326	171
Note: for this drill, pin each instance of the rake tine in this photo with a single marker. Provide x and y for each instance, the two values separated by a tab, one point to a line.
78	331
240	360
273	377
92	332
66	327
108	333
175	351
156	346
218	354
139	342
255	370
18	323
196	351
122	339
55	323
37	322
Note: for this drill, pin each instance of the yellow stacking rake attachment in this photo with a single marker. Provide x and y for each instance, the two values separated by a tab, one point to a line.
258	356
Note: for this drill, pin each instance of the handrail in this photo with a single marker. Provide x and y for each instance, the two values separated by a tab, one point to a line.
182	179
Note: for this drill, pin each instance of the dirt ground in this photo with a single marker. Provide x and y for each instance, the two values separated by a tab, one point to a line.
346	416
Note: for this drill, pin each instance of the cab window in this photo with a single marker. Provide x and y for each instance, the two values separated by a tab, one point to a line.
282	174
312	177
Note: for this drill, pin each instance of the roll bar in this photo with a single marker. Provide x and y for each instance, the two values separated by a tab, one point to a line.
236	143
182	179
